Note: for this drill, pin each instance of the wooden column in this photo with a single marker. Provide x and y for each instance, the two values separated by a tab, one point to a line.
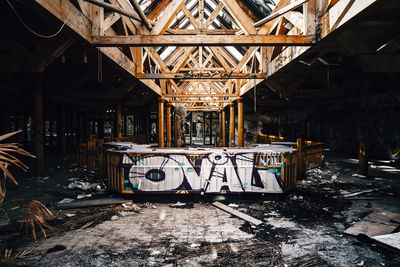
61	123
231	124
240	123
168	123
223	127
38	125
101	125
177	132
161	122
300	160
220	127
363	130
118	122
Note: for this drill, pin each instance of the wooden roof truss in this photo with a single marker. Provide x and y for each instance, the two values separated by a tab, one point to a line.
205	53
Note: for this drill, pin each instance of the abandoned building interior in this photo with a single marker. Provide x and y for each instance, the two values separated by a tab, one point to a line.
200	133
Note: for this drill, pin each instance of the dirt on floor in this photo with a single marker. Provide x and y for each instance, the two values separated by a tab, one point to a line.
301	228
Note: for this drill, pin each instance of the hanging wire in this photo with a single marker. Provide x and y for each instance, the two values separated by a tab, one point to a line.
32	31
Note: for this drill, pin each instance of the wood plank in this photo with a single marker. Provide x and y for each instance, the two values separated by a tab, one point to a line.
237	213
92	203
213	15
169	14
376	223
202	75
241	18
190	17
82	26
204	40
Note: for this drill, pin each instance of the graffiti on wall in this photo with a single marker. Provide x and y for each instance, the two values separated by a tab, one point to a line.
217	172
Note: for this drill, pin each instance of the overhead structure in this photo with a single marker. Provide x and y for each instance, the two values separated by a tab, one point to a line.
204	53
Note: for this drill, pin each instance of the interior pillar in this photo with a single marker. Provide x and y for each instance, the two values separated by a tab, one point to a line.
61	123
240	123
38	125
168	123
118	122
161	122
223	127
231	124
363	131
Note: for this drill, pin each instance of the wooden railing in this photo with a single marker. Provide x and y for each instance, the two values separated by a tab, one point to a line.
310	154
90	155
268	139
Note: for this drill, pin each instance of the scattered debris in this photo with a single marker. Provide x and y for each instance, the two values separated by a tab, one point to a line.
83	196
181	205
359	193
237	213
358	175
34	214
130	206
232	205
114	218
92	203
194	245
374	224
66	200
309	260
178	204
87	225
361	263
390	241
126	213
69	215
82	185
56	248
8	259
14	208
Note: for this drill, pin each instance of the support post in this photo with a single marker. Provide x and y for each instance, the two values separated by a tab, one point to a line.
363	131
240	123
38	124
231	124
300	160
61	123
168	123
177	132
161	122
118	122
220	127
223	127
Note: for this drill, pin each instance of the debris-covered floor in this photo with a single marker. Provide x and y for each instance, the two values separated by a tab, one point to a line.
303	228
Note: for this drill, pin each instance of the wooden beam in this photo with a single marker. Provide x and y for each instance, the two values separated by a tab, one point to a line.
155	8
115	9
169	14
82	26
241	18
142	16
281	12
199	95
204	40
202	76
